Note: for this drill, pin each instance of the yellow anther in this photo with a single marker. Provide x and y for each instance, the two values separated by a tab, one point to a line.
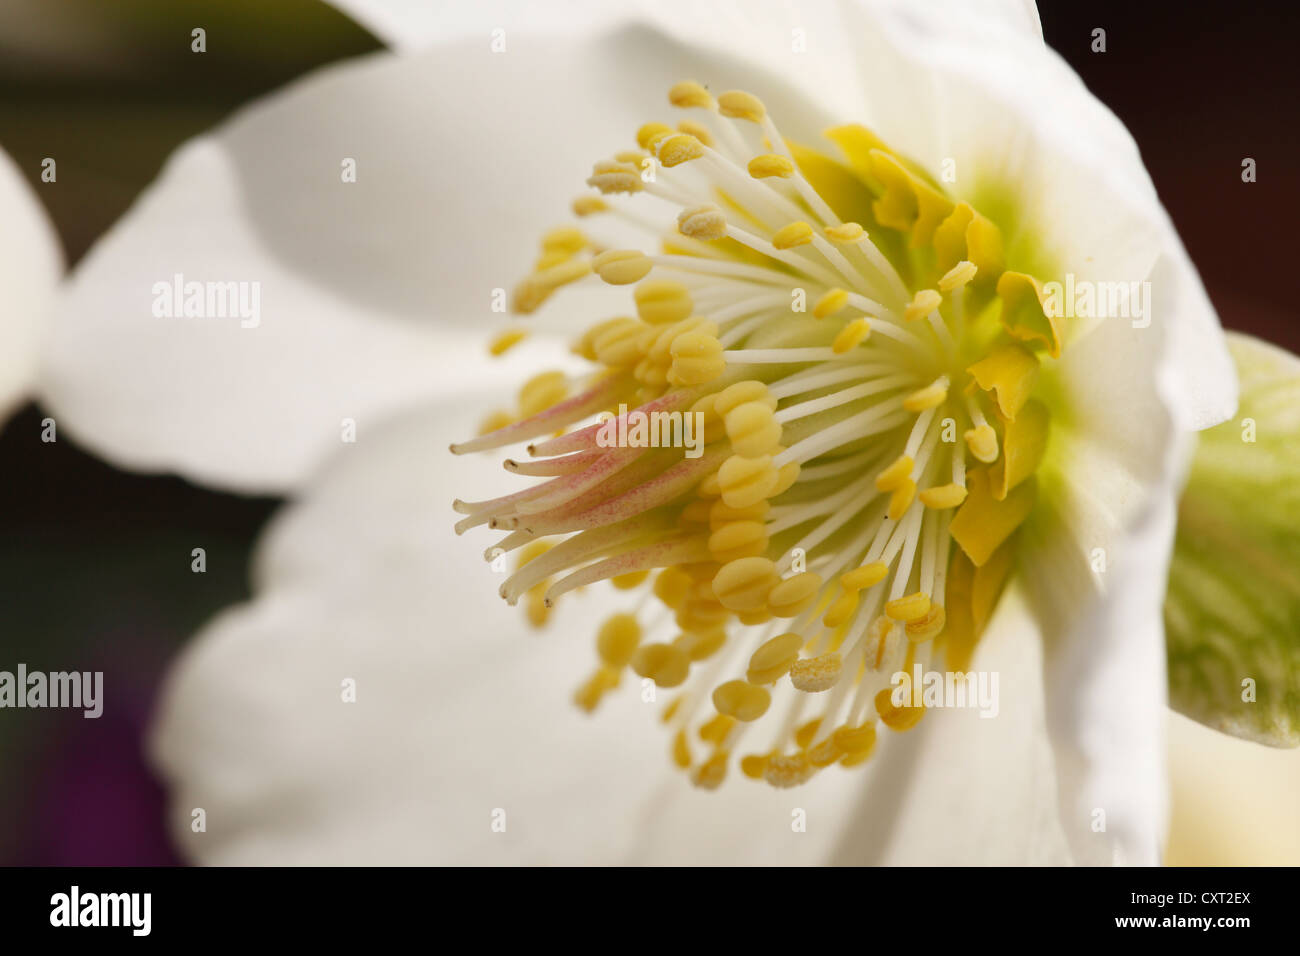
856	740
744	584
536	609
843	608
746	481
505	340
650	134
589	694
806	732
773	659
615	344
697	359
534	290
617	639
933	395
956	277
698	130
786	476
567	239
677	149
740	393
610	176
922	304
928	627
896	474
633	579
795	594
913	607
697	616
832	302
866	576
660	301
753	765
855	760
664	664
681	750
585	206
740	539
715	729
983	522
494	421
812	675
754	618
738	104
710	774
721	513
825	753
671	586
622	266
1009	372
897	718
551	258
753	430
982	442
769	165
784	771
943	496
741	700
701	645
541	392
851	336
690	95
702	222
845	232
792	234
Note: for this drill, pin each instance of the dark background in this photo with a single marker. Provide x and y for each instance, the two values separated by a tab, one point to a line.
94	562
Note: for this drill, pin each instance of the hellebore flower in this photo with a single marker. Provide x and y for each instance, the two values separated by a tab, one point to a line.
946	458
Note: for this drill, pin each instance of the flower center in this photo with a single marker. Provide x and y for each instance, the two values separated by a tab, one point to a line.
828	383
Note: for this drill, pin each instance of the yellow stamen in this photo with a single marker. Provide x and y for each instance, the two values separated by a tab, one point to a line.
622	266
851	336
769	165
914	607
738	104
690	95
830	303
505	340
792	234
812	675
773	659
741	700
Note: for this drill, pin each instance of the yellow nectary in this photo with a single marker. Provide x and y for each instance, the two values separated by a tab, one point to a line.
828	423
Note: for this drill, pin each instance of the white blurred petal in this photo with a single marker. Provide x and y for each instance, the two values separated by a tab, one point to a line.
1234	800
30	264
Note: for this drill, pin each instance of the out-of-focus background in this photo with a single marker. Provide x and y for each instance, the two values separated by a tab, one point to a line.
94	562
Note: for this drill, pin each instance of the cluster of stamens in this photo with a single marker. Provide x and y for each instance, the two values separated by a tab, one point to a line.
862	362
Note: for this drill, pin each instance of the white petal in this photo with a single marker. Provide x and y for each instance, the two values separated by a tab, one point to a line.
30	264
728	25
1095	557
460	711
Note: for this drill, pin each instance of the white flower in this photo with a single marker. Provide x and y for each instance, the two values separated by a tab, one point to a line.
374	296
30	265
